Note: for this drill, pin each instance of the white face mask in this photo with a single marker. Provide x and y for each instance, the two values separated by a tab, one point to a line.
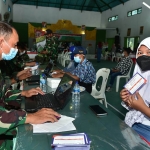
12	53
123	54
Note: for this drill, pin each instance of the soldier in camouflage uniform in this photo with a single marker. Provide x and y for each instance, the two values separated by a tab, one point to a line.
50	49
9	67
10	113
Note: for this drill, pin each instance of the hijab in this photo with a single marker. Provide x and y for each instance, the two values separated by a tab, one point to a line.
145	74
134	116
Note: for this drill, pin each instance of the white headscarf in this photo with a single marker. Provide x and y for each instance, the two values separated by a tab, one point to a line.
145	74
134	116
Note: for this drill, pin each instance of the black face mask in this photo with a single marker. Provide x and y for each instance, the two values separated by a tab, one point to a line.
144	62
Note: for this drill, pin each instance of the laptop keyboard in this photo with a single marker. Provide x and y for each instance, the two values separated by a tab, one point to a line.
44	101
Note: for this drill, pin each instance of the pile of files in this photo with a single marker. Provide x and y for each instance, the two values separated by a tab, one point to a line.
78	141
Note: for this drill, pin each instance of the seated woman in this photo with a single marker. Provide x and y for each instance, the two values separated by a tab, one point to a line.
138	104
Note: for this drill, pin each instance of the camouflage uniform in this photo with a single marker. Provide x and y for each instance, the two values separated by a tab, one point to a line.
52	47
9	117
10	67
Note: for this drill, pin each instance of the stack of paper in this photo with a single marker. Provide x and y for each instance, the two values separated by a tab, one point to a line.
78	141
63	124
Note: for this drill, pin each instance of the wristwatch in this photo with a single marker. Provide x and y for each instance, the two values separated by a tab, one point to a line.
16	78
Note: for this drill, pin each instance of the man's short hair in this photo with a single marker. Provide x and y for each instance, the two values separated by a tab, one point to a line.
128	50
5	29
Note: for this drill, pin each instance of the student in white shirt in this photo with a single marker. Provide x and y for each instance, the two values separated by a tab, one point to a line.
138	104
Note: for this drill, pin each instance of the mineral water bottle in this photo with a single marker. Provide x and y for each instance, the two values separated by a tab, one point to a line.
44	85
37	70
76	94
41	78
43	82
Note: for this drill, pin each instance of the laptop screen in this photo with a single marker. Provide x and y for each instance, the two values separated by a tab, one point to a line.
48	68
64	89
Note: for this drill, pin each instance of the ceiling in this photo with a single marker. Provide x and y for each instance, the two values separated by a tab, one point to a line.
82	5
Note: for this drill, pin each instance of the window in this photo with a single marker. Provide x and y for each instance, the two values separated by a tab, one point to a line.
134	12
4	1
9	8
113	18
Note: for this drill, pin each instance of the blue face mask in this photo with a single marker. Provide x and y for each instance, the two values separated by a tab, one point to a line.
11	54
77	59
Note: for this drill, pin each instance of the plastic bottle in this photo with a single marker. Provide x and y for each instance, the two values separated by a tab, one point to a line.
43	83
37	70
41	78
76	94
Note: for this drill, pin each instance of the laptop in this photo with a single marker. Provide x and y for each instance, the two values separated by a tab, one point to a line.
56	101
36	78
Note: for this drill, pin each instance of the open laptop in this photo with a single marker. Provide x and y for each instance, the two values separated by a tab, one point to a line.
56	101
47	71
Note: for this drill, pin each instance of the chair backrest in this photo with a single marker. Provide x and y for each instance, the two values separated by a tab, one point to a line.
113	54
104	73
130	69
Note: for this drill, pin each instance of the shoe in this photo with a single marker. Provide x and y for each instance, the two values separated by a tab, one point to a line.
108	89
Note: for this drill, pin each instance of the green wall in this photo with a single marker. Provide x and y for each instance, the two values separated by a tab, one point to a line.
22	29
100	36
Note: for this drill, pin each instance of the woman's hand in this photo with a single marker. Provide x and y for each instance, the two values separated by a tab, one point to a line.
136	103
31	92
124	94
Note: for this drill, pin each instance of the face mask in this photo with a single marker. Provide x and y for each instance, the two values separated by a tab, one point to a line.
11	54
77	59
122	54
143	62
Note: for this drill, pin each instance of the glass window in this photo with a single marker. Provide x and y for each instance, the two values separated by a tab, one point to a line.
130	43
9	8
109	19
139	11
113	18
134	12
129	14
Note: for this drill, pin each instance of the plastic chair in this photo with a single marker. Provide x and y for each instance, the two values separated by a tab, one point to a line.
118	57
63	57
60	56
113	56
66	58
104	73
126	76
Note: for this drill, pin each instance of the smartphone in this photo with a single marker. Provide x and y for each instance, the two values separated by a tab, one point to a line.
98	110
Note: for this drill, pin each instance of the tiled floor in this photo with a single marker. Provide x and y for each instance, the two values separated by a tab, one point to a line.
113	97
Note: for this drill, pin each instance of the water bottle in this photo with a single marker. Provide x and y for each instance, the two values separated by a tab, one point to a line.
43	83
37	71
41	78
76	94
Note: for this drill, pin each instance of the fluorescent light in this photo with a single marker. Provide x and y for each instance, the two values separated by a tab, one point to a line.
146	5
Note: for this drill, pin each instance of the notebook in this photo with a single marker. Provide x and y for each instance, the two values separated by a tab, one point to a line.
36	78
56	101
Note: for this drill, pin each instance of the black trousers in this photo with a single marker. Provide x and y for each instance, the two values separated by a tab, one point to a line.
88	86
